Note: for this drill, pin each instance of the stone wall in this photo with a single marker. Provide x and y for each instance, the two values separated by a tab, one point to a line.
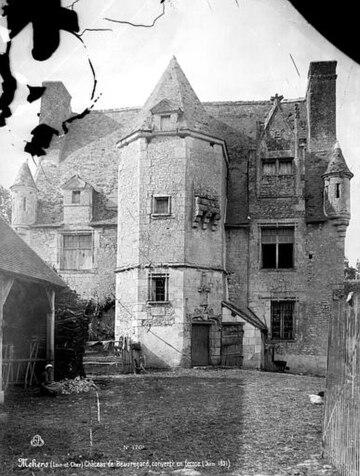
206	175
318	249
129	205
163	173
24	205
126	308
169	244
98	283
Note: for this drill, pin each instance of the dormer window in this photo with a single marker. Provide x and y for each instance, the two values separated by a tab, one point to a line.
75	197
165	122
165	116
78	201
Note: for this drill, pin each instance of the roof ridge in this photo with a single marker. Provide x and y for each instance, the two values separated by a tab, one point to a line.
244	102
118	109
179	82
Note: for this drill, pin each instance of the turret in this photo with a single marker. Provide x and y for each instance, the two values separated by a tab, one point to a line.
171	236
337	190
24	198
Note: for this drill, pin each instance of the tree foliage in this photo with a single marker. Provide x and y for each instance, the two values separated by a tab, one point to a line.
5	204
71	331
350	272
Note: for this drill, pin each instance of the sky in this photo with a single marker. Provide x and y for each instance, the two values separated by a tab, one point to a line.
229	50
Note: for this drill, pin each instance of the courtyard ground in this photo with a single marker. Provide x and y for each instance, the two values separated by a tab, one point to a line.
190	422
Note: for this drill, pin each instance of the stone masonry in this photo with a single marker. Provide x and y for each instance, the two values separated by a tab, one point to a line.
218	227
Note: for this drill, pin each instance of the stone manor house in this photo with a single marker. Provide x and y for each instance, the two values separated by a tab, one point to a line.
218	227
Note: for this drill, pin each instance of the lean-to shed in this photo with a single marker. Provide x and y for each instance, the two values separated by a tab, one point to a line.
27	310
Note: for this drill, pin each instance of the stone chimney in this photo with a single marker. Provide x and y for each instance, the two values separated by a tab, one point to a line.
55	105
321	105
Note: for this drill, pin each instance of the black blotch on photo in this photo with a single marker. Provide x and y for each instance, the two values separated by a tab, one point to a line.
35	92
8	86
42	135
337	23
74	118
48	17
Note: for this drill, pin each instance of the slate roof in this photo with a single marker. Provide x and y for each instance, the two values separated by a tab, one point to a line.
175	88
24	177
243	115
96	125
17	258
337	164
89	147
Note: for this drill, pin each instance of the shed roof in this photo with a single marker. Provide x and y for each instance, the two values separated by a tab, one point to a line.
16	257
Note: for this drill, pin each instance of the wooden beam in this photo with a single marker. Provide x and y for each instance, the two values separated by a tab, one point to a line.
50	335
5	287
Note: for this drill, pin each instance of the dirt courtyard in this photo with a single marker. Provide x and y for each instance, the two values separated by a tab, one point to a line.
188	422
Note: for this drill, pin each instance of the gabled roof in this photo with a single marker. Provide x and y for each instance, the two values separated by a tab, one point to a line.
165	106
337	164
75	182
175	88
17	258
24	177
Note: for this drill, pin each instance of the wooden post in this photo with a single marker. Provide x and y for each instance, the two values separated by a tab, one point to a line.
50	334
5	287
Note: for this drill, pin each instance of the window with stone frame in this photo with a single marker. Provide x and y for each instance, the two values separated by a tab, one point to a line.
269	167
161	205
282	320
277	247
285	166
275	167
77	252
165	122
337	190
75	197
158	287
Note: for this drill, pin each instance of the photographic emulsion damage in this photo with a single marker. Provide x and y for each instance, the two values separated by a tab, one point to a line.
179	263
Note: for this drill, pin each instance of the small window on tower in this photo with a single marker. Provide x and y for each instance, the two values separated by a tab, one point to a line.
75	197
161	205
158	287
165	123
338	190
24	203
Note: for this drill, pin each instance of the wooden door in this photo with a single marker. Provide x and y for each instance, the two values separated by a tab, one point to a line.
232	344
200	344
